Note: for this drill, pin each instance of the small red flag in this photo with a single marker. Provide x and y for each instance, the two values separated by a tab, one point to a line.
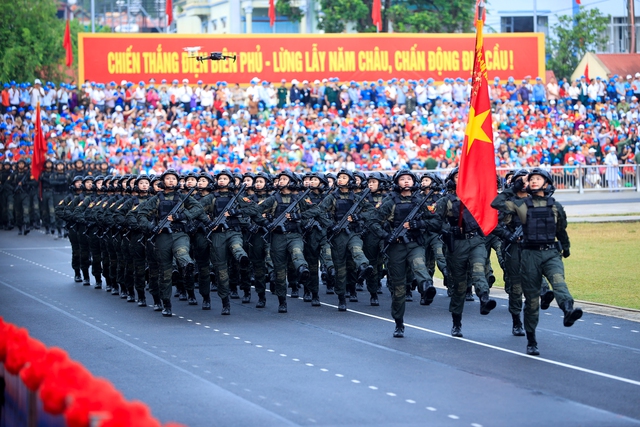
39	148
68	47
376	14
578	1
272	13
477	186
586	72
169	11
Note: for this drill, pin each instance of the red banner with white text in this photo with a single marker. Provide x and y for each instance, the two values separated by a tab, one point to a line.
134	57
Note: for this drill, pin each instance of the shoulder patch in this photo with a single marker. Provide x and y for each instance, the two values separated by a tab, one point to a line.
134	208
378	205
61	202
260	202
91	204
112	205
81	202
308	200
246	199
122	204
432	208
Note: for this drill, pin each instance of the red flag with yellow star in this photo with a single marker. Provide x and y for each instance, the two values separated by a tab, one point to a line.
477	186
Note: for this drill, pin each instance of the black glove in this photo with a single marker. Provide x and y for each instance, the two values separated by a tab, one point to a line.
178	216
210	225
355	217
456	231
334	229
295	216
151	229
234	212
566	253
253	228
417	224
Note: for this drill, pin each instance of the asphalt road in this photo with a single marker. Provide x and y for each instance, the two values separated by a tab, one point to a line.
319	367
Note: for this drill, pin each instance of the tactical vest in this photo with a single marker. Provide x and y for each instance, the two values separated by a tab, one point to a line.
540	228
343	204
165	206
221	201
281	206
469	224
403	208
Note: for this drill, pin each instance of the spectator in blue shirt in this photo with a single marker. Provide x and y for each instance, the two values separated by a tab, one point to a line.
539	92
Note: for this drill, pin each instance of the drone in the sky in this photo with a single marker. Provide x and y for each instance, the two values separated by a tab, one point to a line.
213	56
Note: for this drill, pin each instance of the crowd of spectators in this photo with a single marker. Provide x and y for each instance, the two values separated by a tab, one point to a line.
323	125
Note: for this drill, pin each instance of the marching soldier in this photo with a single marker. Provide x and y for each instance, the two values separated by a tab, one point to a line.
60	188
345	242
407	253
371	242
48	214
466	256
78	206
21	182
64	213
137	243
258	247
6	195
199	242
172	240
544	239
286	241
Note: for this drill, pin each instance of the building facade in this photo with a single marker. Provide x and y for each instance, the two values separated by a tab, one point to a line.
507	16
241	17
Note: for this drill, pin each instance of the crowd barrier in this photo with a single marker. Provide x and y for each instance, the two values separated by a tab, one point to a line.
42	386
579	178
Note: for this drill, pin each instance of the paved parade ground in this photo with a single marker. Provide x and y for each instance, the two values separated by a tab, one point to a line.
318	367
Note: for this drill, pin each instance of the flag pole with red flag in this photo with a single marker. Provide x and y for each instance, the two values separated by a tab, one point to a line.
376	14
477	183
272	13
39	150
68	47
169	11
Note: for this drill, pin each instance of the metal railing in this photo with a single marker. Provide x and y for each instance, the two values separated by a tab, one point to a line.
579	178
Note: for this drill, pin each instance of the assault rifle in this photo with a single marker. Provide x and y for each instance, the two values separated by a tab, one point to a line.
343	224
20	184
517	234
221	219
400	233
165	221
280	221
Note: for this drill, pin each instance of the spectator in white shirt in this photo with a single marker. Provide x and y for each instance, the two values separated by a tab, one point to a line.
36	93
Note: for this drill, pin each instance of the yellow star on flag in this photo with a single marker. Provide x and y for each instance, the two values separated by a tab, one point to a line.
474	129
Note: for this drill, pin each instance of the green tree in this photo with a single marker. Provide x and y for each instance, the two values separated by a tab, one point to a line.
284	7
31	41
338	13
574	37
432	16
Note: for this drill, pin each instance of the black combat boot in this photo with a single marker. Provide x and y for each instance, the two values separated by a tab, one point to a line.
399	332
131	294
226	306
379	291
206	303
107	280
469	296
408	296
192	297
517	329
486	304
374	299
546	298
59	236
27	229
306	297
331	280
571	315
342	303
234	293
282	307
115	289
86	280
246	298
20	230
294	291
262	301
166	308
142	299
428	294
303	274
157	303
315	299
77	278
532	345
98	284
456	329
359	287
364	272
353	296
